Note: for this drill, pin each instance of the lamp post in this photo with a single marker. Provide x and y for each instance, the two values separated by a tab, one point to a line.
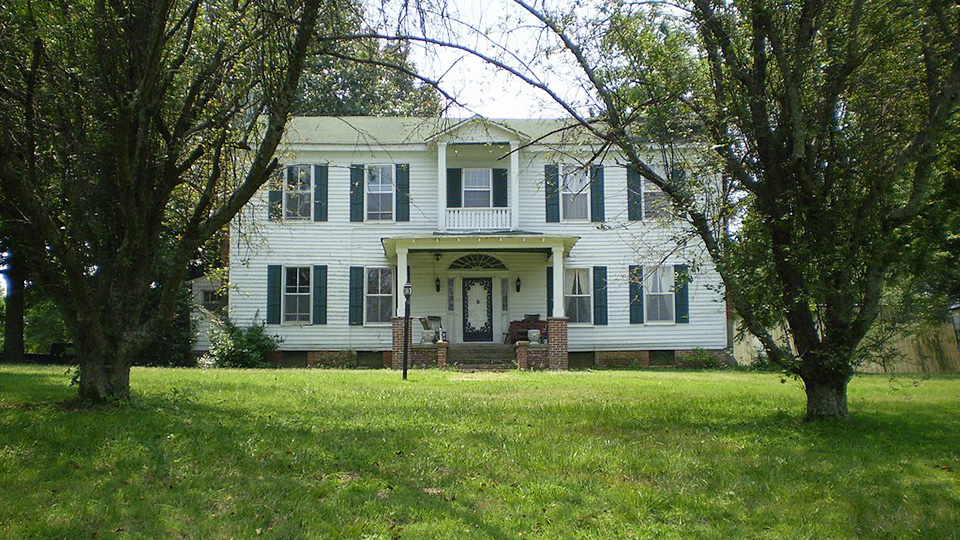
407	289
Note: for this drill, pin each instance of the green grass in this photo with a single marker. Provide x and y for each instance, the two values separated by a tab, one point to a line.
357	454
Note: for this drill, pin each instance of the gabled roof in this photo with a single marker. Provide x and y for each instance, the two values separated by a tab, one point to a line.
392	130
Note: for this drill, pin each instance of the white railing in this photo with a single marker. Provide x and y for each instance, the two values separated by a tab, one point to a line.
478	219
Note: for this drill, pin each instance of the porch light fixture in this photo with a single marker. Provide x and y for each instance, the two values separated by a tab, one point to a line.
518	283
437	284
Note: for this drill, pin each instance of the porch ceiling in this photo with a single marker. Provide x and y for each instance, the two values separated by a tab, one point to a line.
516	242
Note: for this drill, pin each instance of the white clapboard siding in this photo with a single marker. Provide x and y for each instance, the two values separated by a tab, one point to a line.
339	244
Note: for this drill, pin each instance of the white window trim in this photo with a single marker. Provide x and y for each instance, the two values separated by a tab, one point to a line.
393	295
585	192
464	189
366	193
647	275
283	298
589	295
284	190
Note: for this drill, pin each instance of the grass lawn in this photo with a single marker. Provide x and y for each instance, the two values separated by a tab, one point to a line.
357	454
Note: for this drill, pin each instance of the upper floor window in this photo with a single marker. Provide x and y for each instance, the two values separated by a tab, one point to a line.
380	192
659	293
477	188
297	192
379	295
656	203
574	193
296	294
576	294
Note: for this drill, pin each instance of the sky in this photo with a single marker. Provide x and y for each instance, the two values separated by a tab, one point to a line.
497	28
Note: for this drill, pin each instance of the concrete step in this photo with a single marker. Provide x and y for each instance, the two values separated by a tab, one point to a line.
481	354
484	367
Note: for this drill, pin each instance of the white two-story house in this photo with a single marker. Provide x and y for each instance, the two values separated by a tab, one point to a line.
496	224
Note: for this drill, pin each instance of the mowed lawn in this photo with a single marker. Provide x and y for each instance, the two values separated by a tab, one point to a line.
358	454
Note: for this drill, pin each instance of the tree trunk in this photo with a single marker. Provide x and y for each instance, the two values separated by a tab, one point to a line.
826	398
104	375
13	324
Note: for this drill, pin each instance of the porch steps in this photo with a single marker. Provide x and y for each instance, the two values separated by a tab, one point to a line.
481	357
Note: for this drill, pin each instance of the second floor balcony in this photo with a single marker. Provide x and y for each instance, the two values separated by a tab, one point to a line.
478	219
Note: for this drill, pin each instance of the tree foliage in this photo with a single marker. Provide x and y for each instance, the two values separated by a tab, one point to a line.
824	121
133	131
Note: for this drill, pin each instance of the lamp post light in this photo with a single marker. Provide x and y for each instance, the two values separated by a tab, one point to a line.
407	289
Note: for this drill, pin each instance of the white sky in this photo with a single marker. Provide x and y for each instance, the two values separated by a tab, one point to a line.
482	88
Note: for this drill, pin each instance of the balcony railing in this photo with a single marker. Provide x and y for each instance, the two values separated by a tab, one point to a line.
478	219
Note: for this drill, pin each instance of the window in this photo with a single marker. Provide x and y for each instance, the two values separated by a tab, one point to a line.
576	296
379	295
658	288
575	193
656	204
296	294
504	294
213	300
380	192
296	192
477	190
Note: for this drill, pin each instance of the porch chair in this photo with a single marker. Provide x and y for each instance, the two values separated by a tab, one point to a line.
432	329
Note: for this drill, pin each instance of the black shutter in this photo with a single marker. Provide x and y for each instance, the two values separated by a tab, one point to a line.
319	294
356	295
634	195
549	291
319	192
403	192
636	295
596	193
681	298
551	182
600	295
500	183
274	288
454	188
275	205
356	192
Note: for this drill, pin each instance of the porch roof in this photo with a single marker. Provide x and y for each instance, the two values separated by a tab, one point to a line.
516	241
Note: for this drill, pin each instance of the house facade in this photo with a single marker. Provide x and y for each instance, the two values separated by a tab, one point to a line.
491	222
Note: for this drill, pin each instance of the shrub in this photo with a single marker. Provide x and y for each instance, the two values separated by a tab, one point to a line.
701	359
232	346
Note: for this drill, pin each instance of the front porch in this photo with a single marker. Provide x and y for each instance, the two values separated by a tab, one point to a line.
477	288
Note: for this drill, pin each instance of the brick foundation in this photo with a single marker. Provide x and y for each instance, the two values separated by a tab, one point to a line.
531	356
622	359
557	343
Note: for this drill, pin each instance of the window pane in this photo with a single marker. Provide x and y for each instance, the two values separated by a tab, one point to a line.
575	180
476	179
379	308
660	307
299	178
386	281
296	205
575	206
476	199
656	205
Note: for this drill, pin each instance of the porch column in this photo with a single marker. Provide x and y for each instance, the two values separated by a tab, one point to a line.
558	282
401	278
442	186
515	185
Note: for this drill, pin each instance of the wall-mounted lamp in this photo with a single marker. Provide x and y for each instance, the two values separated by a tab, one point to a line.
437	283
518	284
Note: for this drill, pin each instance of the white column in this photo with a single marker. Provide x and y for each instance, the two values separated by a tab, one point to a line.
515	185
558	281
442	186
401	278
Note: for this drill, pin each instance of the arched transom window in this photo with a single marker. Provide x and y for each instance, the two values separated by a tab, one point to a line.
477	261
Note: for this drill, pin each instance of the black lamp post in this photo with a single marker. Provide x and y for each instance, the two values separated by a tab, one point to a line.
407	289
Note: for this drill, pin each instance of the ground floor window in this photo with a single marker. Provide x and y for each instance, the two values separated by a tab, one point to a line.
659	293
576	296
296	294
379	295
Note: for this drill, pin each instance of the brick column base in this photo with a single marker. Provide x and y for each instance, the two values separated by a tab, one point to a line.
557	356
398	343
523	359
441	354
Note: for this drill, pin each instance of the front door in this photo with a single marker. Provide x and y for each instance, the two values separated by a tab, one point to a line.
478	309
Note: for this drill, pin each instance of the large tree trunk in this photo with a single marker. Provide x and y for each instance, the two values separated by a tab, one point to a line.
104	379
13	324
826	398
